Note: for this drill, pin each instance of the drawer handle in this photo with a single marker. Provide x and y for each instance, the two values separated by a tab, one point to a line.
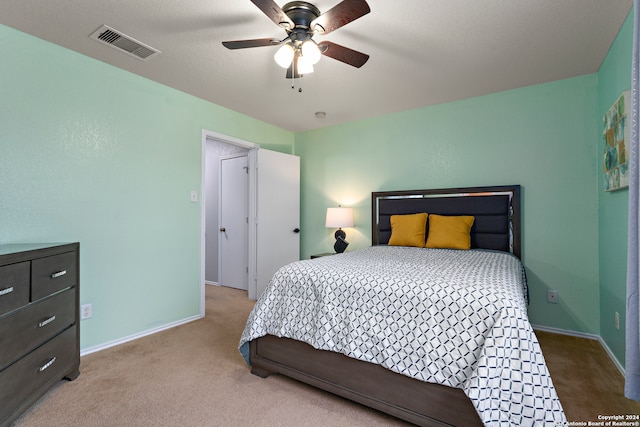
47	365
58	274
46	321
6	291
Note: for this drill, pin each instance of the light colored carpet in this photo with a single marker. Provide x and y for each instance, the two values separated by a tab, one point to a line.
193	375
586	380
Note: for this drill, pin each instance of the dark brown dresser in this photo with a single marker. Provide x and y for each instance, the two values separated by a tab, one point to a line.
39	322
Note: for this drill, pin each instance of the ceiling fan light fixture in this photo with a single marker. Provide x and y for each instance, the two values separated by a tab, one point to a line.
311	51
301	20
284	55
304	65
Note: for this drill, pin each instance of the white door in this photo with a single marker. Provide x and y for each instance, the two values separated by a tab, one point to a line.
233	246
277	214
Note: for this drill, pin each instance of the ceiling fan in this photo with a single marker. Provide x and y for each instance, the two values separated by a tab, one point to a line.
302	20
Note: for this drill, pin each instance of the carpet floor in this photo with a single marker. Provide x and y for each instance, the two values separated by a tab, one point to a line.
193	375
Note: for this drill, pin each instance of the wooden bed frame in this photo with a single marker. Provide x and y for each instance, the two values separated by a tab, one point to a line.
497	226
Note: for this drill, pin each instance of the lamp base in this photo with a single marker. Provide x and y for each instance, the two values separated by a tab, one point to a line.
340	244
340	234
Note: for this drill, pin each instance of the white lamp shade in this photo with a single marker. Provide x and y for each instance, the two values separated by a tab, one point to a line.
339	218
304	66
284	55
311	51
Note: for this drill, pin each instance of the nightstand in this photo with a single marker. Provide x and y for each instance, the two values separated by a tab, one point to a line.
321	255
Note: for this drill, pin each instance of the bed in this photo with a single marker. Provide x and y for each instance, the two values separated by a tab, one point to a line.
433	349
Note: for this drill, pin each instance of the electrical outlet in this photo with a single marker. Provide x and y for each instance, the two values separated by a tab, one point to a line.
617	320
552	297
86	310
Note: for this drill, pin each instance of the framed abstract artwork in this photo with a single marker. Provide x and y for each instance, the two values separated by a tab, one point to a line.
615	134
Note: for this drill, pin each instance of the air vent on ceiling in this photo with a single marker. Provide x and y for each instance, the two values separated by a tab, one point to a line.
124	43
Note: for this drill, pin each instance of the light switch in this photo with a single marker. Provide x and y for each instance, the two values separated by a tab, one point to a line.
194	196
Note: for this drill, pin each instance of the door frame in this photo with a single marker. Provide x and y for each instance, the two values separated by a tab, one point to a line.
208	135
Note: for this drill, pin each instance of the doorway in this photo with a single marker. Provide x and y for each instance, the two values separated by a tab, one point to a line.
214	146
274	212
214	149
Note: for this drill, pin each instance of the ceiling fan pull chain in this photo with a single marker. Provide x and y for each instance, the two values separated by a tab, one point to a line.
293	83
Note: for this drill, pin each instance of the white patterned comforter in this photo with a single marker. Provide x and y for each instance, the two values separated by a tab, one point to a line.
456	318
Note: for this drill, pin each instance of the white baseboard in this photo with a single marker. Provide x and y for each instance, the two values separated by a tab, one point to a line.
208	282
566	332
114	343
613	358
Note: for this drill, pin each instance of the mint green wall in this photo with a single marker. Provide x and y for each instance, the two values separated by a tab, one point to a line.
541	137
95	154
614	77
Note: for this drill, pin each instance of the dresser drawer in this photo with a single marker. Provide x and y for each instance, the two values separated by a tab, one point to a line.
53	273
14	286
26	329
30	377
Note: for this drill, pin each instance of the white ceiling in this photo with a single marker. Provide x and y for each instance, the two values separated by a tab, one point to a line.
423	52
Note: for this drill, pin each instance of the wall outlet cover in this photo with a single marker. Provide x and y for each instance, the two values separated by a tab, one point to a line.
86	311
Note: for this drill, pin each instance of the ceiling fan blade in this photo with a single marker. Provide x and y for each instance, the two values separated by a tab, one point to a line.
274	12
340	15
343	54
243	44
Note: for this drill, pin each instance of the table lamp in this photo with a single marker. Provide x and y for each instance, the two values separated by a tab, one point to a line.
337	218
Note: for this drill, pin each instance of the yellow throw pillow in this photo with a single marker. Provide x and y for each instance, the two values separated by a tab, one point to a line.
408	230
449	232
